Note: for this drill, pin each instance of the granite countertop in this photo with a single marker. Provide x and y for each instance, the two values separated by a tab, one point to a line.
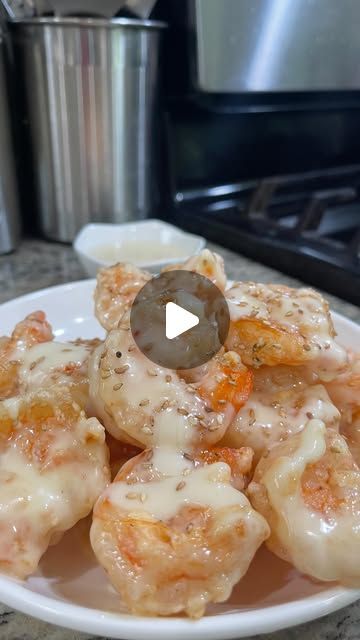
39	264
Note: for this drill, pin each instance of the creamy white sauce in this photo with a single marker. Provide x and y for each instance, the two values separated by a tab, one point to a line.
40	362
268	418
137	252
208	486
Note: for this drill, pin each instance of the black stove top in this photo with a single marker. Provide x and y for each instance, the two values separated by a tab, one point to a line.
307	225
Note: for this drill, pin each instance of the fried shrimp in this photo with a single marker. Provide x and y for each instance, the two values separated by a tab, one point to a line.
308	489
274	324
29	332
206	263
280	405
174	536
116	289
53	466
144	404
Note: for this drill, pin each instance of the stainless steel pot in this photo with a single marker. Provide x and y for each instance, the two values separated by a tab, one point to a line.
9	208
91	89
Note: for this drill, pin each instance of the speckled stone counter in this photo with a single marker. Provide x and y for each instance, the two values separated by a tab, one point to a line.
40	264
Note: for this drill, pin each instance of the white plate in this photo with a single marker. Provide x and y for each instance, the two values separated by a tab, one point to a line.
71	590
138	237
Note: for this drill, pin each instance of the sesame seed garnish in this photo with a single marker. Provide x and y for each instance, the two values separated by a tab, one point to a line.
151	372
106	375
168	378
252	417
191	390
103	355
118	386
186	472
132	495
65	351
147	430
131	348
182	412
289	313
208	410
276	346
222	401
181	485
144	402
232	382
309	415
187	456
189	527
220	419
301	312
120	370
199	416
118	354
282	412
213	427
218	378
307	347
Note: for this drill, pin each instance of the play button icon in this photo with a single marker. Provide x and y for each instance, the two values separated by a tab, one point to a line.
179	320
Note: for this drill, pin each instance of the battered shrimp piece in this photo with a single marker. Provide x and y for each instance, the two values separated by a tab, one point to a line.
53	466
55	364
345	393
174	536
145	404
116	289
33	330
282	402
308	489
273	324
206	263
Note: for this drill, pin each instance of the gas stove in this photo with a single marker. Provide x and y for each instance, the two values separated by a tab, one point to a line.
306	224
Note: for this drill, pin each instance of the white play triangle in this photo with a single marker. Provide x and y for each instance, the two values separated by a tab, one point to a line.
178	320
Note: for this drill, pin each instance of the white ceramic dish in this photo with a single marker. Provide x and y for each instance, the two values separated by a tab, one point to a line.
150	244
71	590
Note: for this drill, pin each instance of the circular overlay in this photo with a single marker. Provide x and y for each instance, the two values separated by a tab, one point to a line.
151	320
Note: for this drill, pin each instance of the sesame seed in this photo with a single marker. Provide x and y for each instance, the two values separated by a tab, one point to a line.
186	472
106	376
199	416
103	355
165	405
301	312
117	386
120	370
131	348
182	412
222	401
214	427
144	402
208	410
276	346
307	347
181	485
168	378
189	527
309	415
147	430
191	390
187	456
132	495
232	382
288	314
152	372
220	419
